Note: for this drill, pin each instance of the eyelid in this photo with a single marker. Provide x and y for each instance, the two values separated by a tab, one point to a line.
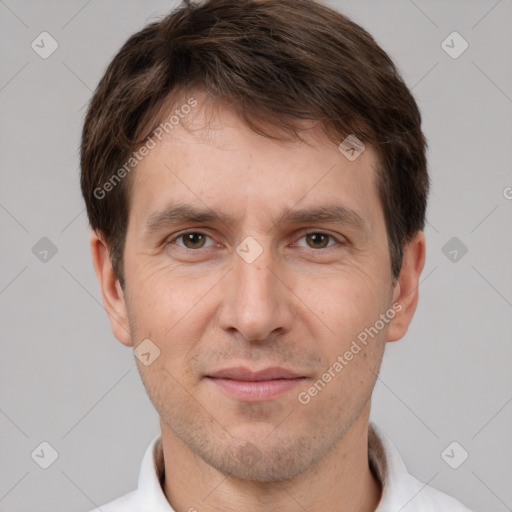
339	239
180	234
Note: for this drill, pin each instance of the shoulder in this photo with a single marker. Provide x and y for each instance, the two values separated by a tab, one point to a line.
433	500
148	497
401	490
415	496
125	503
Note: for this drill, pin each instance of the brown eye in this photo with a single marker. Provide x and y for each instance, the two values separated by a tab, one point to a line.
193	240
317	240
190	240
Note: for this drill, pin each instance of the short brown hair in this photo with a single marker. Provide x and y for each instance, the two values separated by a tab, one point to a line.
275	62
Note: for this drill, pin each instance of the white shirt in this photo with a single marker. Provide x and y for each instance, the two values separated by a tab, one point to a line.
400	490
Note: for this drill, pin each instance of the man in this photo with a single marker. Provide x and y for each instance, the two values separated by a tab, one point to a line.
255	178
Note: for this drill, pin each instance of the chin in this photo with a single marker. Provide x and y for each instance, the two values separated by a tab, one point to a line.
266	462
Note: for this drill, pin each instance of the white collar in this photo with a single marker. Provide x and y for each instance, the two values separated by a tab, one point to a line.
401	491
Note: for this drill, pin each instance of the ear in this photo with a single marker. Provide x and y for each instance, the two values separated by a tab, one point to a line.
405	291
111	291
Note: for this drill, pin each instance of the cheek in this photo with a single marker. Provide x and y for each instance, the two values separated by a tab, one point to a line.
163	298
348	304
345	302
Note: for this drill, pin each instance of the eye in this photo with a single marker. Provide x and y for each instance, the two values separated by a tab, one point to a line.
191	240
318	240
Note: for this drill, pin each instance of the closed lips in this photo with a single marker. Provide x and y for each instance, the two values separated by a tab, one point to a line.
244	374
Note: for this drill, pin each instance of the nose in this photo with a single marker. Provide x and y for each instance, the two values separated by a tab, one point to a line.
256	302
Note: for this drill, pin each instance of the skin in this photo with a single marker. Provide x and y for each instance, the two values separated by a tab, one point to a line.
299	306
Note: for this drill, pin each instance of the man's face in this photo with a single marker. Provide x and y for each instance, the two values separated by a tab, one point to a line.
260	285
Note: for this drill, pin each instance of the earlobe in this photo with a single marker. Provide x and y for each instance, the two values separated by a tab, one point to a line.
405	291
111	291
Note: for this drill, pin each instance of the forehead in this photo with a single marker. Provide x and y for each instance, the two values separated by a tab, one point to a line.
208	157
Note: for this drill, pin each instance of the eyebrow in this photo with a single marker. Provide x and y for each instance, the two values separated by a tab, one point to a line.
184	213
331	213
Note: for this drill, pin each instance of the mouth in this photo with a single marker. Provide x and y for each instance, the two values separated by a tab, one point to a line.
250	386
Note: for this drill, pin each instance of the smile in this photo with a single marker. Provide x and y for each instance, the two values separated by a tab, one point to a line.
243	384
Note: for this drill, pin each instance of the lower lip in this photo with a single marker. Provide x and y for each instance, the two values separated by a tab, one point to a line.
253	391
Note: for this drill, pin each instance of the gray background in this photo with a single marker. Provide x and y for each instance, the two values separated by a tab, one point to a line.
64	379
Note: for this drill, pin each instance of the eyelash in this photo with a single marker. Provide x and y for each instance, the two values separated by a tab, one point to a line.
173	239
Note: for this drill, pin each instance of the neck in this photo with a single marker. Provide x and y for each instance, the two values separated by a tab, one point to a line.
342	480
